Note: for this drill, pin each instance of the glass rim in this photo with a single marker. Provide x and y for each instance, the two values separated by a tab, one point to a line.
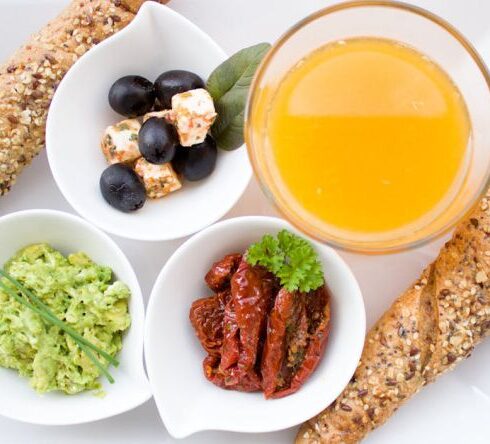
365	247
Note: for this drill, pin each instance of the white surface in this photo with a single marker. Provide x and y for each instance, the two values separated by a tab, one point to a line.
73	140
452	411
70	234
183	395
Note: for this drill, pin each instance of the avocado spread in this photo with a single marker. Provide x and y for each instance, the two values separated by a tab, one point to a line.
80	293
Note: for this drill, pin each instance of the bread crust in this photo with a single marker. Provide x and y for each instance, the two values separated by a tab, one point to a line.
30	77
427	331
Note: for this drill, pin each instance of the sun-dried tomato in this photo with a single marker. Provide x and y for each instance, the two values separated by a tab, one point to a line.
318	311
283	317
207	316
257	337
233	378
219	276
297	334
231	344
253	289
244	322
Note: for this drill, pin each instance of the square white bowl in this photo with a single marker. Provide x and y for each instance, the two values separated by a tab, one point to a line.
157	40
71	234
186	400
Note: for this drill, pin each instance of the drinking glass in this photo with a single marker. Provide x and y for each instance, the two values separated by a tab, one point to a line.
411	26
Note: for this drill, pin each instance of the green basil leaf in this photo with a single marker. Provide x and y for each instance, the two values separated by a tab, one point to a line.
228	85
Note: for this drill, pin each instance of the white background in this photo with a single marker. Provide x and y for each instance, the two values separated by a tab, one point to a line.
454	410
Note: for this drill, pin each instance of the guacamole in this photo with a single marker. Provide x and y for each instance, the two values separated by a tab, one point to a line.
79	292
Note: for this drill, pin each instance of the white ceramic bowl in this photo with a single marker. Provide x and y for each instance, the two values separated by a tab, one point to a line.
157	40
70	234
187	402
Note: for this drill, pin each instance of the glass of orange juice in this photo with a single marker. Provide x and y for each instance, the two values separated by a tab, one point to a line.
368	125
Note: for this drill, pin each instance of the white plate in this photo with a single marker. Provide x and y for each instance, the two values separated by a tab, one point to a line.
187	401
157	40
71	234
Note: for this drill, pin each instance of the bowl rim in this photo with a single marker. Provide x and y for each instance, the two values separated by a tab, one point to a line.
397	244
178	255
138	297
147	9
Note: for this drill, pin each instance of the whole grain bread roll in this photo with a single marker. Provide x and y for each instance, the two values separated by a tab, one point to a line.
29	78
429	329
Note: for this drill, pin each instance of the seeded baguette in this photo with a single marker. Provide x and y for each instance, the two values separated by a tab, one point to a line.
29	78
429	329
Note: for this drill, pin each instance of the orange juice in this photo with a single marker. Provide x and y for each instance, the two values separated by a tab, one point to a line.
368	135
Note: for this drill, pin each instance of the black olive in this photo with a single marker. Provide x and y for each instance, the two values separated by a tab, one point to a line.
175	82
132	96
198	161
178	162
157	141
122	188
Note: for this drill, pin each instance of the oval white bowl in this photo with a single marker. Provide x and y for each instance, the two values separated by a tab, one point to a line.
157	40
187	402
71	234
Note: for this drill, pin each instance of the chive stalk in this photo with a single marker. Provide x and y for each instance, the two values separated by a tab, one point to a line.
73	333
44	312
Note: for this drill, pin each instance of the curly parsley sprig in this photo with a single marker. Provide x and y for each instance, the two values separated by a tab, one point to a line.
291	258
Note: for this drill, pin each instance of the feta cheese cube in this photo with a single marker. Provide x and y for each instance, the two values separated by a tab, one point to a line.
166	114
159	180
120	141
194	115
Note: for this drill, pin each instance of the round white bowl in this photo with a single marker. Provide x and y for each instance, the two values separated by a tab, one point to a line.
187	402
157	40
71	234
